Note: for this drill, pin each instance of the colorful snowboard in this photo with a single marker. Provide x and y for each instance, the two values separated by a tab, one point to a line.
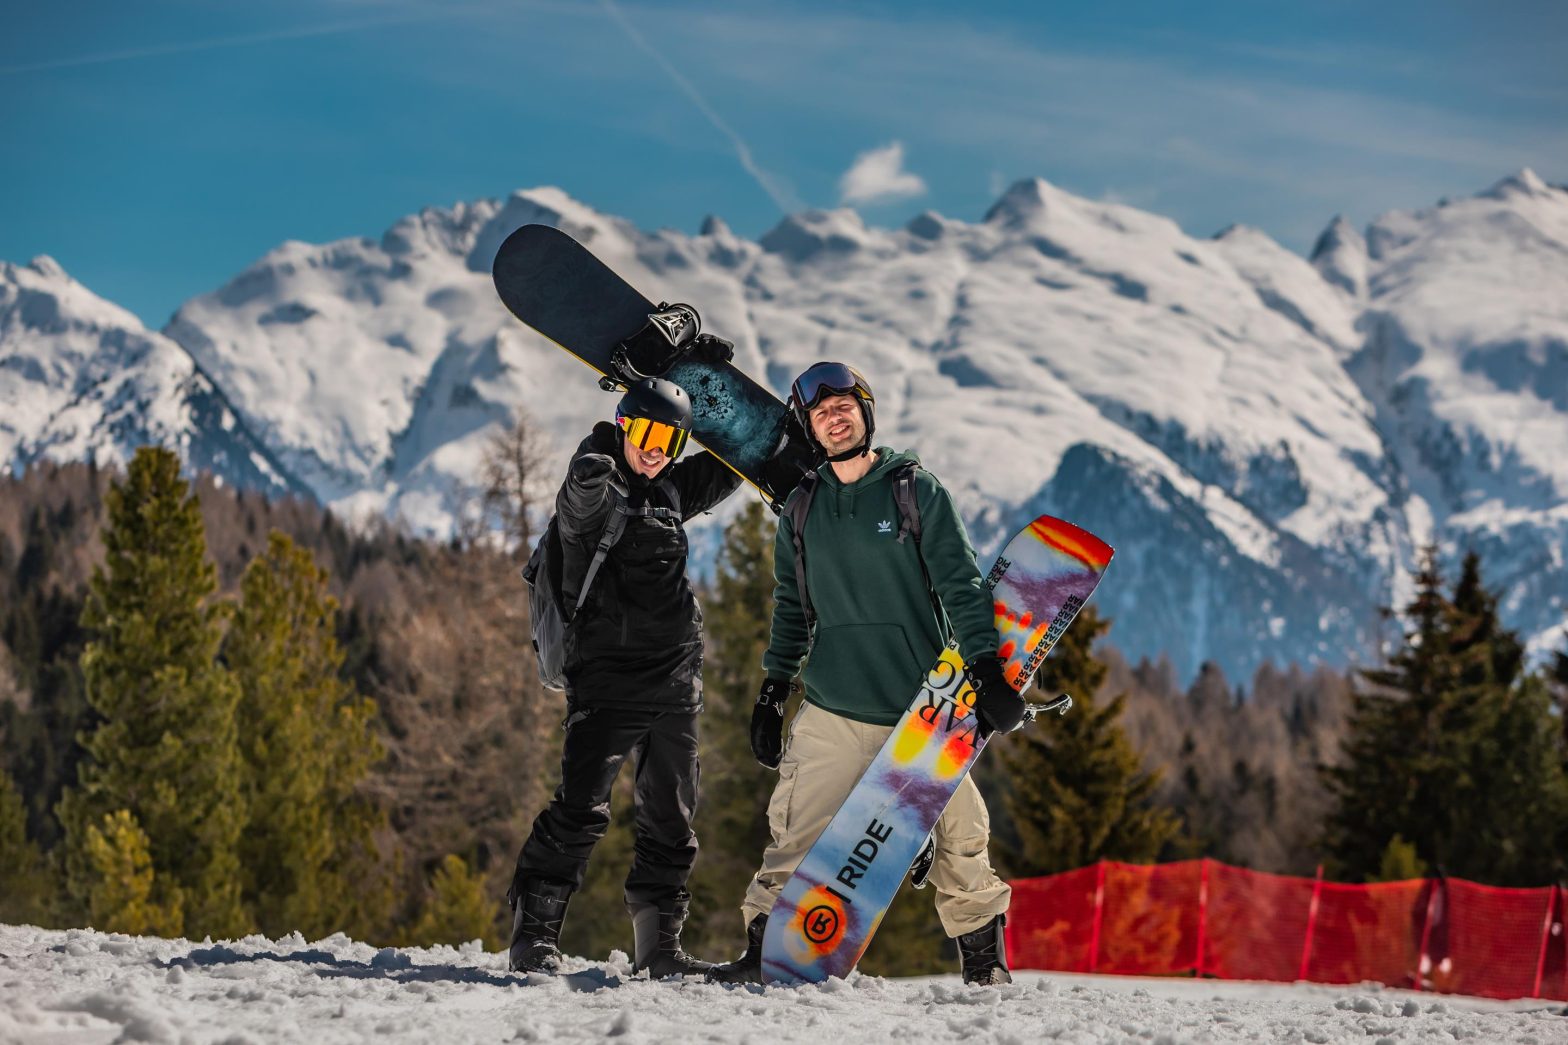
556	285
825	916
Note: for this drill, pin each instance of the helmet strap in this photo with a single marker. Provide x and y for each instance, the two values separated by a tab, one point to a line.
857	451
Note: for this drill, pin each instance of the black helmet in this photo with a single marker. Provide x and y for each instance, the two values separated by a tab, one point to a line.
824	379
655	415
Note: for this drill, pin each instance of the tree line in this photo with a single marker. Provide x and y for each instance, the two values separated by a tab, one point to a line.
220	714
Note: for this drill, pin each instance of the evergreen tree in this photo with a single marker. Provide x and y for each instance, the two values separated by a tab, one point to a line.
308	855
1452	749
1400	862
40	613
732	822
127	895
1557	680
1076	791
24	884
458	909
164	751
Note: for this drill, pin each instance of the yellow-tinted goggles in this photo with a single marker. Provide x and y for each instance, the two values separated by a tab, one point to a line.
653	435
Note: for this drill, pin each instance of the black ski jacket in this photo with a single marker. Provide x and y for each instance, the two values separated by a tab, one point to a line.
638	638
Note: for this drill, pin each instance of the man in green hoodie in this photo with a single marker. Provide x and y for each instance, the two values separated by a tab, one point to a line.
877	629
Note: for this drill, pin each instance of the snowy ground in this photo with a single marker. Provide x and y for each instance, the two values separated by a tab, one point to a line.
81	986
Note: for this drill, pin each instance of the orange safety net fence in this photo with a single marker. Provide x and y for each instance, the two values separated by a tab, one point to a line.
1212	919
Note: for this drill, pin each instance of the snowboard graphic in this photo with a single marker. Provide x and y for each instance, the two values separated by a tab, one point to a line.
827	912
556	285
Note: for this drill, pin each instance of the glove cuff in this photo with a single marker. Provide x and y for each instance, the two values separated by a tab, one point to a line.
775	690
991	667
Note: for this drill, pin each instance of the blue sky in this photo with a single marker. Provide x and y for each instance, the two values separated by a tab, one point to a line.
157	148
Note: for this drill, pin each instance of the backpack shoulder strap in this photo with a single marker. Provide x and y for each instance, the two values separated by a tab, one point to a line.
796	508
907	498
908	502
671	490
613	528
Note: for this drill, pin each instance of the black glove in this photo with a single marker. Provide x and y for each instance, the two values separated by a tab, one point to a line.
592	470
767	722
997	703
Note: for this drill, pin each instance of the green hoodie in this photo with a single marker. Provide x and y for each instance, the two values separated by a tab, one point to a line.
877	633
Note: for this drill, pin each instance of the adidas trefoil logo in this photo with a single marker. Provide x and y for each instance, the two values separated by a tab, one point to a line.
885	526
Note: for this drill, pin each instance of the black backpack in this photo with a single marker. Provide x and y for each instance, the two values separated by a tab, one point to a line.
798	506
550	621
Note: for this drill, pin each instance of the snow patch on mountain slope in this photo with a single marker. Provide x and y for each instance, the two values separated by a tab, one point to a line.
1267	441
81	378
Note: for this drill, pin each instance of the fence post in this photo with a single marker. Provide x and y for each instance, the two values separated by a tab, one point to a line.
1424	962
1312	924
1203	915
1099	911
1546	935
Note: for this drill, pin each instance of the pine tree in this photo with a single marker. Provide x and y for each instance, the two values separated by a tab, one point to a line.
24	884
1374	785
40	612
1076	790
127	895
164	751
1557	679
1452	749
1400	862
308	852
458	909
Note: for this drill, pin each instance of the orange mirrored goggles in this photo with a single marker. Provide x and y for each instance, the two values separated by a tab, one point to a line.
653	435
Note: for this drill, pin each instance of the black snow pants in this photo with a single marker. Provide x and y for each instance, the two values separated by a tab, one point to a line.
598	741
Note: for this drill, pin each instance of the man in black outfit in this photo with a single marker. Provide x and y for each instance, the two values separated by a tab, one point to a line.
633	680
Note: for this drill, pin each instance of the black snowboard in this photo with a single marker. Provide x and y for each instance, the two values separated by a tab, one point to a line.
555	285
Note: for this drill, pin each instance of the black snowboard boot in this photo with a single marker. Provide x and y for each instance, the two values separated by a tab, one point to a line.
748	967
656	936
983	955
539	907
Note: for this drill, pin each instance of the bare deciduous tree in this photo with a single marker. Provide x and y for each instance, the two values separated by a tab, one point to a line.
513	482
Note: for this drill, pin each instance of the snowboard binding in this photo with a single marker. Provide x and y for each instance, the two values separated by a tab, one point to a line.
670	335
1061	705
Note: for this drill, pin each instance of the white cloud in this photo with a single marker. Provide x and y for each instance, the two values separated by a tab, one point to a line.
1281	152
878	176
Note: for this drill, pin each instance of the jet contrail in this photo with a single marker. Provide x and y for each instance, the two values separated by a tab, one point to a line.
187	47
781	197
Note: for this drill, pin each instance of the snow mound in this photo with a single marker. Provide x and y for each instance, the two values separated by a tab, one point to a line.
81	985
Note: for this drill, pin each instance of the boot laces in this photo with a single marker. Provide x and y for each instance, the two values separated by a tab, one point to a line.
670	941
535	926
982	956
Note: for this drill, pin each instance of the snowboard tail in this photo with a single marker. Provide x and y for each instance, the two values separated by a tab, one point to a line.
830	908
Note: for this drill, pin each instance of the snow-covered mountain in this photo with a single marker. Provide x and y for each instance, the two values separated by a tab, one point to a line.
81	378
1266	440
1464	358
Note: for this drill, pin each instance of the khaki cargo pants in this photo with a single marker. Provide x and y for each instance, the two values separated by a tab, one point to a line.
824	758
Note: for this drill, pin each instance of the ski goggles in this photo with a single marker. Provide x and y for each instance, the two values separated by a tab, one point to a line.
825	379
646	434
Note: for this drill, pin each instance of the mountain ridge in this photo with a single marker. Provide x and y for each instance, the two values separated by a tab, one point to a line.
1268	439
